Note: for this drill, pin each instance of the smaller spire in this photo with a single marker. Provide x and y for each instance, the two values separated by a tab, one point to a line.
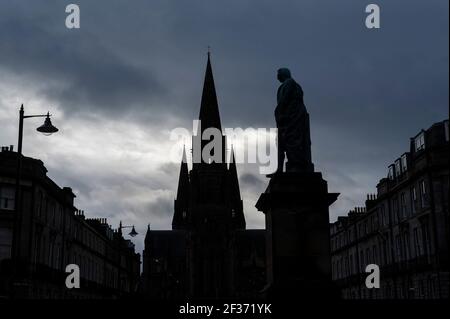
184	158
147	235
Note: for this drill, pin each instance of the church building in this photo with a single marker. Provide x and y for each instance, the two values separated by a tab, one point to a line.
209	253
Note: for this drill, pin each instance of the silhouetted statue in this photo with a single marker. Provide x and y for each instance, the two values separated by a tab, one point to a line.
293	126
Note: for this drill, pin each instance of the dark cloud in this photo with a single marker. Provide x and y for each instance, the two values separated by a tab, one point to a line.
143	62
77	69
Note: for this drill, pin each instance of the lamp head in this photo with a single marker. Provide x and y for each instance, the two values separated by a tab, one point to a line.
133	232
47	128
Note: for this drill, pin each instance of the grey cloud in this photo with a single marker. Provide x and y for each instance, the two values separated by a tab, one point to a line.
161	208
142	62
78	69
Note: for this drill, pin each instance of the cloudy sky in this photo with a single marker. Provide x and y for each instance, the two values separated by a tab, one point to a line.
134	71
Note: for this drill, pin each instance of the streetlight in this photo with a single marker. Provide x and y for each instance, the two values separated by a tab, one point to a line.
133	232
47	129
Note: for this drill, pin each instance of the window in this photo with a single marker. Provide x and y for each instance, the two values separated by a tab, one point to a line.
425	238
404	162
398	168
384	217
7	195
420	142
413	199
423	193
407	245
403	207
395	209
347	269
399	247
351	265
391	171
417	248
5	243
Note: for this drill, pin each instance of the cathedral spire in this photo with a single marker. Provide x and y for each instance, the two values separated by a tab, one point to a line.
209	108
234	175
183	180
182	201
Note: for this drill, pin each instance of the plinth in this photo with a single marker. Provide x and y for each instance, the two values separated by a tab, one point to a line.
297	236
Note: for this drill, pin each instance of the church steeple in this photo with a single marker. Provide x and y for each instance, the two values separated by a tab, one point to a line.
209	108
234	176
182	200
183	181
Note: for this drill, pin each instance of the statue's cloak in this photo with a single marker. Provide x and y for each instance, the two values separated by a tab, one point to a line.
293	122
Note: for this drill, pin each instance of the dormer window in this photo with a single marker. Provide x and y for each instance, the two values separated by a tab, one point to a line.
398	169
391	171
419	142
404	161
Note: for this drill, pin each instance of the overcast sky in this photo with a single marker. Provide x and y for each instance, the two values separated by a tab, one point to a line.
134	71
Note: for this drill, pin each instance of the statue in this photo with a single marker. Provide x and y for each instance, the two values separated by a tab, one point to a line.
292	121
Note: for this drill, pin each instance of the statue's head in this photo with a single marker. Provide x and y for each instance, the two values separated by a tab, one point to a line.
283	74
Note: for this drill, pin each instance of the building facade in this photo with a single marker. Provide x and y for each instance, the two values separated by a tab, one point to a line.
208	253
52	233
404	228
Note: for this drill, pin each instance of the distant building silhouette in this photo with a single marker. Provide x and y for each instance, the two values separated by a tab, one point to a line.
53	234
404	228
208	253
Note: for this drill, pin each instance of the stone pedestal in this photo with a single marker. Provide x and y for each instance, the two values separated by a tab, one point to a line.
298	238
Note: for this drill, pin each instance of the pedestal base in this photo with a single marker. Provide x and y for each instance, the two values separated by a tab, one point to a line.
298	239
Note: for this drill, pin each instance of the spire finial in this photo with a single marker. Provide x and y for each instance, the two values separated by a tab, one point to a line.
209	52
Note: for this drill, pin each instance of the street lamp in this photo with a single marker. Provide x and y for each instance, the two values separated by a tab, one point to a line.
47	129
133	232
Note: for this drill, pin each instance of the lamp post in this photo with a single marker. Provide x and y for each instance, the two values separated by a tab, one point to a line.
132	233
47	129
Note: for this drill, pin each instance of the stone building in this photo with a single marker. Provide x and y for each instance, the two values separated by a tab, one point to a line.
404	228
54	233
209	253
